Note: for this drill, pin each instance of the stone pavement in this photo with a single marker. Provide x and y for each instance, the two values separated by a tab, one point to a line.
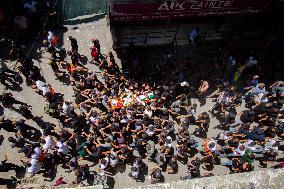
84	34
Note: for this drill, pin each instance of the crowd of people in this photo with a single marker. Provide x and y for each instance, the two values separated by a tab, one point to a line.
25	18
116	120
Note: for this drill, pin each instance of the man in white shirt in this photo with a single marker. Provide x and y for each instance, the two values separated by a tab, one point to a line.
240	150
212	146
150	131
193	35
251	62
251	145
113	160
34	167
67	108
42	87
37	153
125	119
271	145
31	6
103	165
62	147
148	111
49	143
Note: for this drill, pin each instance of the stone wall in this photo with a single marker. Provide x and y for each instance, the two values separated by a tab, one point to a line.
270	179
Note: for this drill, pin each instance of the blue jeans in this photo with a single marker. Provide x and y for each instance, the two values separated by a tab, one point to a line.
228	163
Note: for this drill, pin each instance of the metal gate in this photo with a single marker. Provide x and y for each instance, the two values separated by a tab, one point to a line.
70	9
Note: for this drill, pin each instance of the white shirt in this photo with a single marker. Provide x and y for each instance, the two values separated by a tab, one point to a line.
35	167
30	6
62	147
241	152
40	84
124	120
259	98
37	153
247	145
104	166
34	161
135	174
150	133
138	127
223	136
232	61
42	87
224	98
269	145
50	36
215	146
251	61
67	108
191	111
193	34
170	142
149	113
45	89
49	143
113	162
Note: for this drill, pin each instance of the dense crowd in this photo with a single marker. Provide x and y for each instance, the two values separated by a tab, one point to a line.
117	120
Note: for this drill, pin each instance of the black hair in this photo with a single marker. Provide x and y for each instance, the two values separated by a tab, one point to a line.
11	139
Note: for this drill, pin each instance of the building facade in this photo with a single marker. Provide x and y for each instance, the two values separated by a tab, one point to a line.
127	10
161	22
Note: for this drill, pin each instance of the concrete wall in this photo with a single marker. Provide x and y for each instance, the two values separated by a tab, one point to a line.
270	179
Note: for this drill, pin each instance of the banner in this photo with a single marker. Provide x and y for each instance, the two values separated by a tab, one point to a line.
173	9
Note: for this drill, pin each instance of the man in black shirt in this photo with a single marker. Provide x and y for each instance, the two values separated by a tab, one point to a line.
156	176
6	125
74	44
